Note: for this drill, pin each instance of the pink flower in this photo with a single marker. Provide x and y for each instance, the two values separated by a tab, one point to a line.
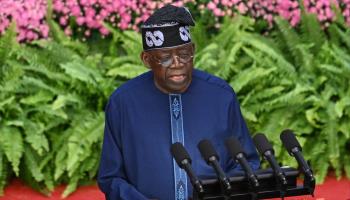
44	29
329	13
123	25
58	5
75	10
80	20
225	2
63	21
217	12
104	31
68	31
90	12
211	5
313	10
296	18
242	8
30	35
87	33
178	3
29	15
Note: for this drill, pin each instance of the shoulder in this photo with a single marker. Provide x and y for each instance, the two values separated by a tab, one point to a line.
133	85
213	82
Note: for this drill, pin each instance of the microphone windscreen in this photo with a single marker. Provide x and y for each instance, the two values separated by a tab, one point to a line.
289	141
234	146
207	150
262	144
179	153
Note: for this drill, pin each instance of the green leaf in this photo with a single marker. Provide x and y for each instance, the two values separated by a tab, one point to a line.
312	31
49	181
36	137
262	46
80	71
249	115
3	172
127	70
321	167
60	164
40	97
347	165
7	43
288	39
7	101
83	136
248	75
340	106
31	161
64	100
12	144
72	186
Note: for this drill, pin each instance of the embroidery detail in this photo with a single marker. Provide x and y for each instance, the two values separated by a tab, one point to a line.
180	191
185	33
176	108
177	135
156	38
160	25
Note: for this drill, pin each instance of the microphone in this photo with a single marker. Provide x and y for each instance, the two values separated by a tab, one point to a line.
211	157
184	161
237	154
294	149
265	148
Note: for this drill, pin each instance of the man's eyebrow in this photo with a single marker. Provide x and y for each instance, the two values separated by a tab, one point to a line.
185	50
164	53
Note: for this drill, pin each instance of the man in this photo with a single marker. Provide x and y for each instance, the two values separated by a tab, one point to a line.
171	103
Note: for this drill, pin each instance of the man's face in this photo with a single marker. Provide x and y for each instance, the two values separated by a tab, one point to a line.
172	67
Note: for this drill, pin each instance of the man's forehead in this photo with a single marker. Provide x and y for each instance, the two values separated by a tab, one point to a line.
184	47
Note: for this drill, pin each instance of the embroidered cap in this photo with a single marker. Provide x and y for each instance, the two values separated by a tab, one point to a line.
167	27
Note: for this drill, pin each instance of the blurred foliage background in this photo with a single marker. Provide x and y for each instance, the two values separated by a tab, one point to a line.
53	91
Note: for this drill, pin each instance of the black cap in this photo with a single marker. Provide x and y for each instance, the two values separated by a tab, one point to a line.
167	27
170	14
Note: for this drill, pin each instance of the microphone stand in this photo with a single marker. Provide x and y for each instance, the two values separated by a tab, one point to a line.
269	187
310	182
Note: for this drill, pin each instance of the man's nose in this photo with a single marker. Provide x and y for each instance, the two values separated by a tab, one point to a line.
176	62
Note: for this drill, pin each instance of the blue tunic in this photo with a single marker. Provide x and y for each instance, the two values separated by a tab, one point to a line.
136	162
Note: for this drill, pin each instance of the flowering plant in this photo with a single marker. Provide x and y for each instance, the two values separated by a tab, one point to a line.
85	16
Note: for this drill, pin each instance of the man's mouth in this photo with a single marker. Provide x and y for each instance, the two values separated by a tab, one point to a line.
177	78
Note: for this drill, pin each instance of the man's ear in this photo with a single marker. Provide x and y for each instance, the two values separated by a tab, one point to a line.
193	48
145	57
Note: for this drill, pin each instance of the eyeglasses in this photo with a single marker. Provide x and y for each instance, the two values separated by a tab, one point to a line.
169	60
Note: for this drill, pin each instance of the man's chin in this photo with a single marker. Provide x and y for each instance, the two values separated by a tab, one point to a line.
178	87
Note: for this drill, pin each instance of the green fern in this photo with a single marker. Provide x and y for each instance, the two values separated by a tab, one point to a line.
7	44
4	171
311	31
12	150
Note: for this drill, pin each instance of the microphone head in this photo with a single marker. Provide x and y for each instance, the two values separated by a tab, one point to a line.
179	153
289	141
207	150
262	143
234	147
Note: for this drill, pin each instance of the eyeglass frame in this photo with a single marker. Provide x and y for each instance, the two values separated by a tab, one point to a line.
171	58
